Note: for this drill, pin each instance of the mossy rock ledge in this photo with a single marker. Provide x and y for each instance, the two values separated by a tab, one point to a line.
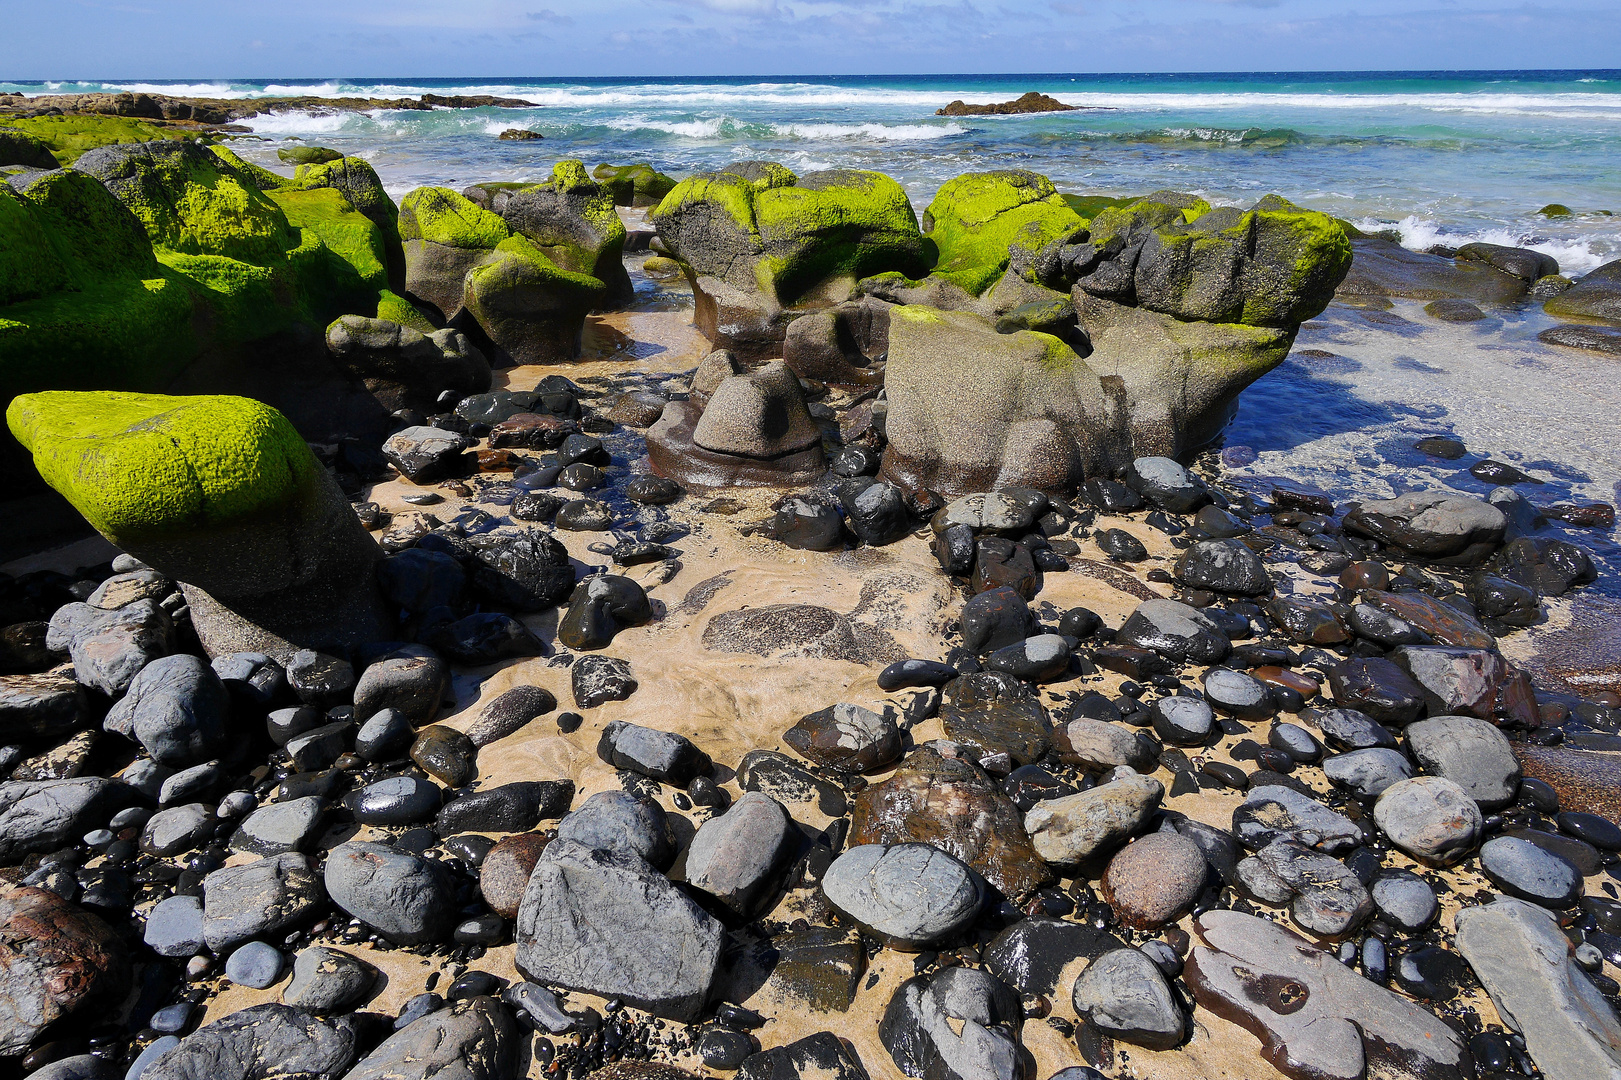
762	245
223	495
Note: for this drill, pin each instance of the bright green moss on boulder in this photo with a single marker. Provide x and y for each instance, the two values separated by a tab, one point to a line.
761	229
977	218
63	231
1160	210
143	466
83	302
306	155
572	219
397	309
441	216
70	136
634	185
192	201
346	233
1272	265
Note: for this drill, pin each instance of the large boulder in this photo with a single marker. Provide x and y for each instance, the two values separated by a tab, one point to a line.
1384	269
607	923
1315	1017
1178	309
223	495
404	368
571	218
21	148
81	292
762	245
265	1042
634	185
464	264
170	266
1596	296
978	222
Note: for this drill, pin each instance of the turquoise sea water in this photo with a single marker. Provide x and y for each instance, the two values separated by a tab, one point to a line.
1443	157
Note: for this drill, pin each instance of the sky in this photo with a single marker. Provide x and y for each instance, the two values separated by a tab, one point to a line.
212	39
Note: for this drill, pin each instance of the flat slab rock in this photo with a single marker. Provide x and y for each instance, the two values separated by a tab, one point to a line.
265	1042
475	1039
607	923
1521	958
1316	1018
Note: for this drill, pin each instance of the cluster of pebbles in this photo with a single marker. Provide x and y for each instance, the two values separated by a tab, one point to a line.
1298	789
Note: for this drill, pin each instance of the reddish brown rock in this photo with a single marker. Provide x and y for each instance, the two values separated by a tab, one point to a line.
954	806
1446	624
531	431
1304	685
56	959
505	873
1154	880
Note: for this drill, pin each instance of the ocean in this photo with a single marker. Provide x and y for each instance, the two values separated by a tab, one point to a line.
1439	157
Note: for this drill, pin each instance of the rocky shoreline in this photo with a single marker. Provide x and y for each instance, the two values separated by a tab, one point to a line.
733	627
218	111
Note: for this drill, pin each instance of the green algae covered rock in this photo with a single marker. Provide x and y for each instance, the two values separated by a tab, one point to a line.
532	311
306	155
354	179
21	148
571	218
144	466
354	266
634	185
763	244
445	235
528	276
70	136
1272	265
978	222
83	300
191	201
220	493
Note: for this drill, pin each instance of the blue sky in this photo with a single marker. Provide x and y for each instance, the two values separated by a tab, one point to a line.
169	39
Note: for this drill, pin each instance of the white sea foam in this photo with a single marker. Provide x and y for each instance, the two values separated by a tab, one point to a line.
302	122
1575	256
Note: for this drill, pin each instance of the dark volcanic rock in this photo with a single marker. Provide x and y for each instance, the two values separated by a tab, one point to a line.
475	1039
596	679
958	1024
1033	953
265	1042
666	757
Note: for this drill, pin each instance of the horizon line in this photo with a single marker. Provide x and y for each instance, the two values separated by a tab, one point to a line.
826	75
